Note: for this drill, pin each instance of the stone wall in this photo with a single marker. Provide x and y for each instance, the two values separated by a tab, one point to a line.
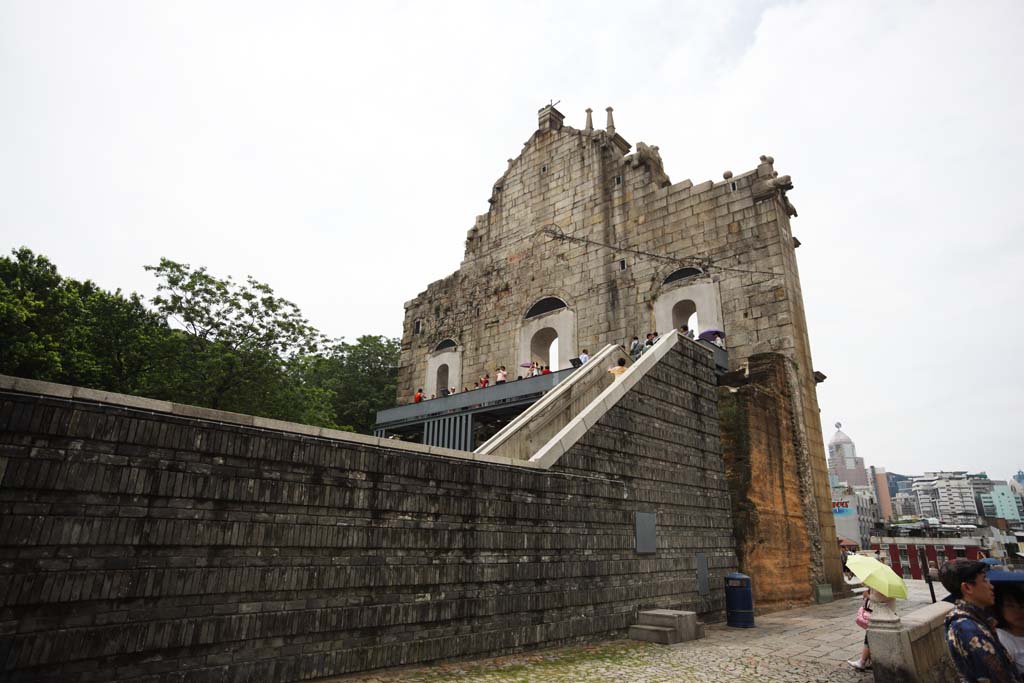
576	216
763	466
143	540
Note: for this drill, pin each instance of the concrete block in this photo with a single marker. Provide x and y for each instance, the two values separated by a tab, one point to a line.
654	634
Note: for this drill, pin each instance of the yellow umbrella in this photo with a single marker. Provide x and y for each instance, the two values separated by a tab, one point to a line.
878	576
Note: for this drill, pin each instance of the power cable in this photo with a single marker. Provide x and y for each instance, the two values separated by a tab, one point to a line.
557	233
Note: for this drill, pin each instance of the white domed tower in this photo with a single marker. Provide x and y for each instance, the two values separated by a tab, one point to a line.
843	461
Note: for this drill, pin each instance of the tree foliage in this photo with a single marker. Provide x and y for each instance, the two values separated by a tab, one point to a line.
207	341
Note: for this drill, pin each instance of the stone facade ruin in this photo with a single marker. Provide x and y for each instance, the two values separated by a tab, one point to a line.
588	242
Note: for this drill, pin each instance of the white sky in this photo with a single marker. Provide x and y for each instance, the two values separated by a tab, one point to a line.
340	152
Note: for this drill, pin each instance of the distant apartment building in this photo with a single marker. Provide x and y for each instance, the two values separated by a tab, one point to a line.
843	461
904	504
1017	489
948	496
882	495
999	501
855	512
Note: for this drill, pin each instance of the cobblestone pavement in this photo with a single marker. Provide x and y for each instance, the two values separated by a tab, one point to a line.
803	644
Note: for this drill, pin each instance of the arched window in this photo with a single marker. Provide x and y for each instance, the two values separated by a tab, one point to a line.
545	305
683	274
685	313
446	344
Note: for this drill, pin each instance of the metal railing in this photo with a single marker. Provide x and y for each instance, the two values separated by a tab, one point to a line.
509	392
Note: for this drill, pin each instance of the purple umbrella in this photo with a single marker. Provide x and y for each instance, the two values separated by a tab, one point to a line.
526	365
711	335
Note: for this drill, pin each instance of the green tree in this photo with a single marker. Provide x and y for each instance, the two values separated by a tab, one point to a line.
37	310
210	342
237	346
59	329
361	377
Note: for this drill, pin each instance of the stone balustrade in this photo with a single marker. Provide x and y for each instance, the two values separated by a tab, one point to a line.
911	648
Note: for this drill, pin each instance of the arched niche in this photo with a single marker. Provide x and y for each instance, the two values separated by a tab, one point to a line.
688	297
539	330
541	347
684	312
441	380
444	368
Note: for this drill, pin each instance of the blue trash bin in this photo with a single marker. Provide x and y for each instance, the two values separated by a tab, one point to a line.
739	601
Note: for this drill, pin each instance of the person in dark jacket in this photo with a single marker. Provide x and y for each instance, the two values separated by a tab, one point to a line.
971	627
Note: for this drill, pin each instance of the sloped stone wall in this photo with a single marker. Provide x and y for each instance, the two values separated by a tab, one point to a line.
144	545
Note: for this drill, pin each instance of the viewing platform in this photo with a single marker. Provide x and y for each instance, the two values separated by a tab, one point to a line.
465	420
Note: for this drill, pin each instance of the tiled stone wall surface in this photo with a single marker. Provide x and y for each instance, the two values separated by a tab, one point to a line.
760	453
587	185
143	546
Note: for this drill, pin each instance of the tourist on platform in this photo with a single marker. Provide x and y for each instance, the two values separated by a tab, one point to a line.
451	391
476	385
971	628
545	370
485	380
1010	616
500	375
843	554
584	357
686	331
648	343
618	368
418	396
465	389
635	348
535	369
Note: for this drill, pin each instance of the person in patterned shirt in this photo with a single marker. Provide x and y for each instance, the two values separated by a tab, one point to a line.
971	628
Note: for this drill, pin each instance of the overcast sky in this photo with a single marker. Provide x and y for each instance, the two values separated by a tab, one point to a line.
340	152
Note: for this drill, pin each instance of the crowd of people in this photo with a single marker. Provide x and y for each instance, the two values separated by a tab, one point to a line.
533	369
985	628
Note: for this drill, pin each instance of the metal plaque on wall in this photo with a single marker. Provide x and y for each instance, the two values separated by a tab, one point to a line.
646	537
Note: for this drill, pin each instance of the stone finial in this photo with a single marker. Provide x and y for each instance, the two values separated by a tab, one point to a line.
727	175
883	617
590	121
610	126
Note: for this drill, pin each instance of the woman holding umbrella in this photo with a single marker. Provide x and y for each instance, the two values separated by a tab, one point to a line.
884	586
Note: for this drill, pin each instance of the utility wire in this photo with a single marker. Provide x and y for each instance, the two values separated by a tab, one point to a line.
554	232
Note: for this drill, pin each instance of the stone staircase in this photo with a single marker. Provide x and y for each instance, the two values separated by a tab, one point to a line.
667	626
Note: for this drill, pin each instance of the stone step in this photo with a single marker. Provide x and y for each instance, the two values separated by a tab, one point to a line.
663	617
683	622
654	634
